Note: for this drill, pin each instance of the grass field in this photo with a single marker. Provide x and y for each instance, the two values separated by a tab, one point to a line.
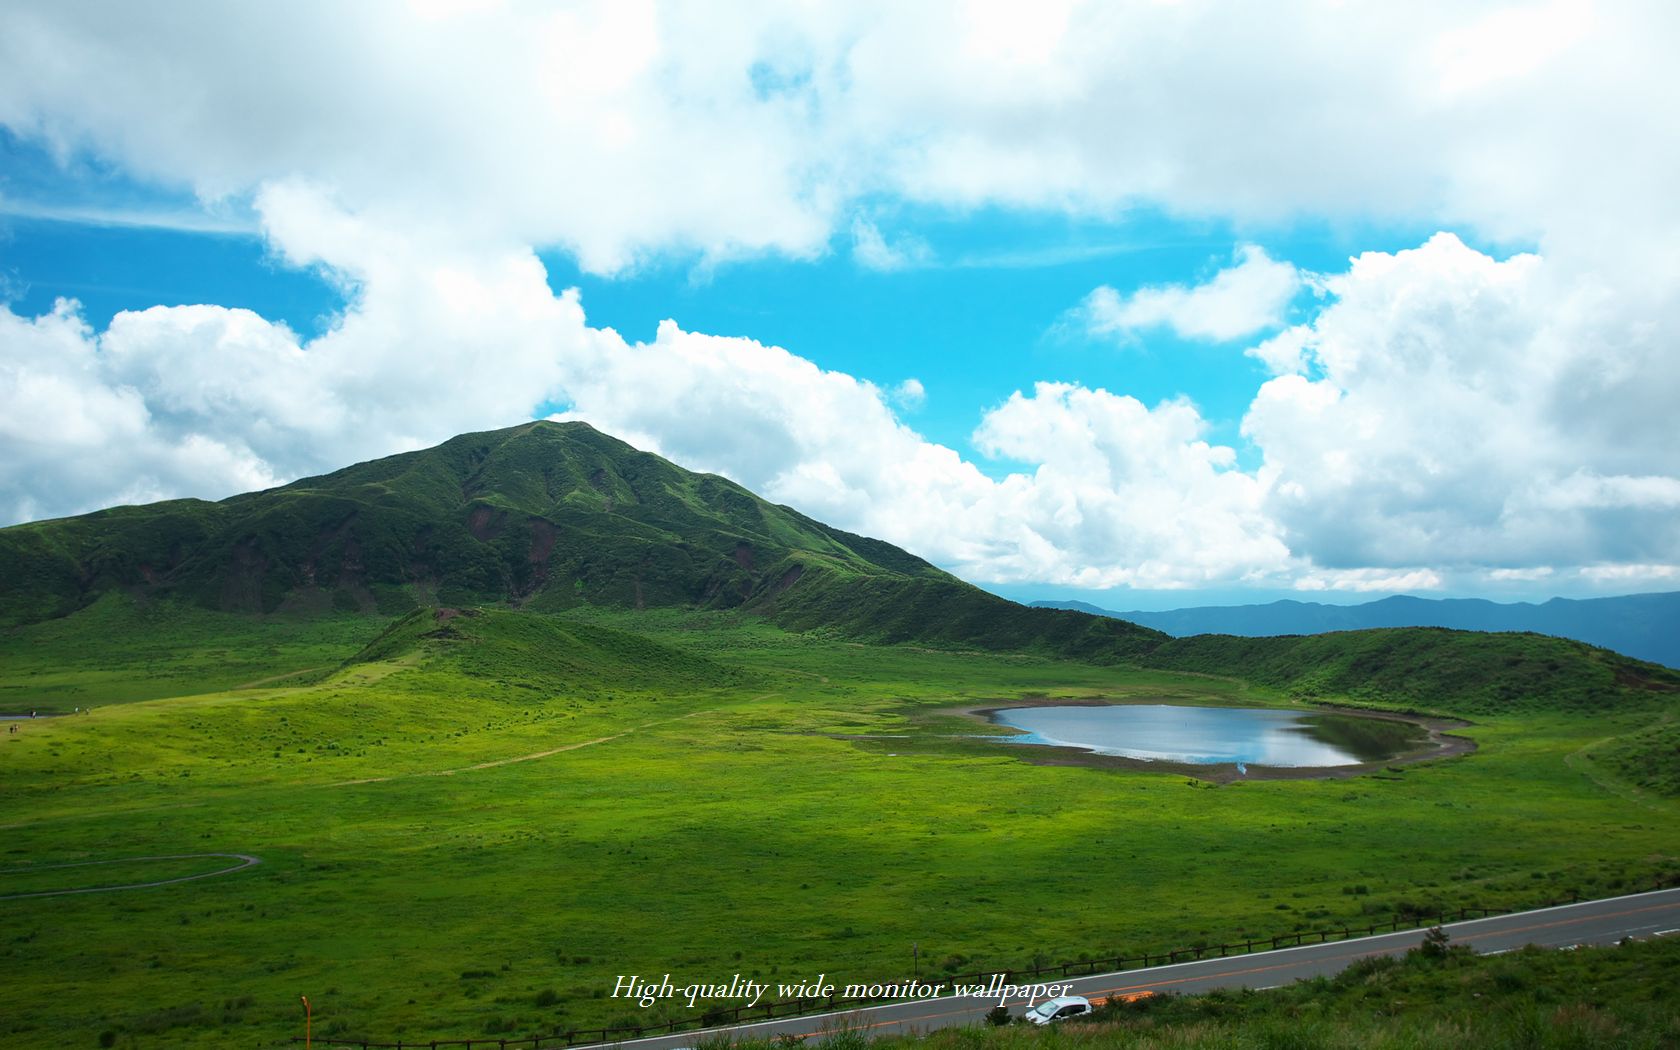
474	826
115	651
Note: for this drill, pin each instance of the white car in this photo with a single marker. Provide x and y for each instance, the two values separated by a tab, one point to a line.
1058	1009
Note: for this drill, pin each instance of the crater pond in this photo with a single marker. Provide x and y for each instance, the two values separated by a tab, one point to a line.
1214	735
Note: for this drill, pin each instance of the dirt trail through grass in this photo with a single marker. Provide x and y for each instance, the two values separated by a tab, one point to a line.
276	678
533	756
245	860
1581	761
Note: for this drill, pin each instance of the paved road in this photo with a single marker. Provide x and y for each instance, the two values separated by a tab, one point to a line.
1590	922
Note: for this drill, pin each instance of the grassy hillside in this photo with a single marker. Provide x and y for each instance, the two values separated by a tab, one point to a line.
120	650
544	516
553	511
892	610
1428	669
1643	626
1649	759
554	516
542	653
470	824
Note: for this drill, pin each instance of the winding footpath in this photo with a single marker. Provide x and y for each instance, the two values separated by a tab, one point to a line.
245	860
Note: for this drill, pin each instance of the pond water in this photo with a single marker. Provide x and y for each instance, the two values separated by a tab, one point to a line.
1212	735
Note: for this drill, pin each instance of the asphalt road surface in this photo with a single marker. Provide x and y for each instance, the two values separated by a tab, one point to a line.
1589	922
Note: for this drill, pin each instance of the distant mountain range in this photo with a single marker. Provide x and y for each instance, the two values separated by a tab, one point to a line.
1646	626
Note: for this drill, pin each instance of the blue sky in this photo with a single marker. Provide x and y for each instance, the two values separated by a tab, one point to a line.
982	315
1333	305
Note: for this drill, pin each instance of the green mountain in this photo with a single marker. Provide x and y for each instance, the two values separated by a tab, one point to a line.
548	516
543	516
1429	669
1646	626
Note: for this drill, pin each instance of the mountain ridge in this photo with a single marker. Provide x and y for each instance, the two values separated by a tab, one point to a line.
1644	626
542	516
547	517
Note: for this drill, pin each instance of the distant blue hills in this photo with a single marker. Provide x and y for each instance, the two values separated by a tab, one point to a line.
1644	626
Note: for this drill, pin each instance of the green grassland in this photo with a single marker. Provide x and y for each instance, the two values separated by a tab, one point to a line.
118	650
98	876
1648	760
471	824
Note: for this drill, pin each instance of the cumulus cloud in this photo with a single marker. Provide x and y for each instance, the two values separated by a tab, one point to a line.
1124	494
1447	414
1240	300
1440	422
1451	409
60	422
207	401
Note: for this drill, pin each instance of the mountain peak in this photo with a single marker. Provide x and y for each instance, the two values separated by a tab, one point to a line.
544	515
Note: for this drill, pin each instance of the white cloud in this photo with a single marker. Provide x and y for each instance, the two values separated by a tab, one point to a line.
1240	300
1446	412
1507	44
1453	410
77	438
1628	575
618	129
1538	572
910	394
872	252
206	401
1370	580
1583	490
1442	423
1123	494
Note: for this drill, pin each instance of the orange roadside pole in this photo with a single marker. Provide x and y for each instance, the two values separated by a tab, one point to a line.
308	1016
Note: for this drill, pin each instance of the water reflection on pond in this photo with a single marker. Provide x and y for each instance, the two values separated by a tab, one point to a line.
1212	735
